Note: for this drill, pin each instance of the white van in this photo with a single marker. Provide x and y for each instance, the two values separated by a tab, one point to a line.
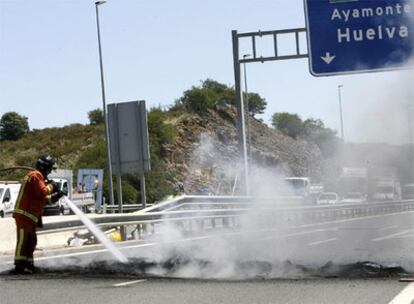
9	191
329	198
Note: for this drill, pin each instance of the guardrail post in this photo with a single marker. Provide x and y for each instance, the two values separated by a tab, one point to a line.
136	234
235	222
123	233
225	222
213	223
143	231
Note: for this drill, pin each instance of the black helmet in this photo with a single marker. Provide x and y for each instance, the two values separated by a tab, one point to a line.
46	163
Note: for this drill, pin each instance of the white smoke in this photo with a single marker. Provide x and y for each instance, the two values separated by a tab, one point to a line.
211	162
222	253
260	238
381	111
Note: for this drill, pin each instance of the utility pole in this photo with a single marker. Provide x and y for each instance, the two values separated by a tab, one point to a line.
411	133
340	112
108	148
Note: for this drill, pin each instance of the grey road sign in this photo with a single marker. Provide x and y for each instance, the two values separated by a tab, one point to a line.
128	131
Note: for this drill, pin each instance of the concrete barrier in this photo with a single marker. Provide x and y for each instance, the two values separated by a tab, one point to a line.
7	236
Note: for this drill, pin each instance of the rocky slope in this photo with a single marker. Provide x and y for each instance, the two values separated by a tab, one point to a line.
205	152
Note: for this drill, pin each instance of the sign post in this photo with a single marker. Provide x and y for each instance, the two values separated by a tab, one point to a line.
357	36
129	142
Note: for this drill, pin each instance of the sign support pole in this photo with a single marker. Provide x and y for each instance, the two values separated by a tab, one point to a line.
118	160
143	190
240	112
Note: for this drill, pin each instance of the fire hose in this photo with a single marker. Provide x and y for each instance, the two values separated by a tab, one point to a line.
16	168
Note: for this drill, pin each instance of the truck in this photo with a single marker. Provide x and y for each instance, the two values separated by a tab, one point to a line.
9	191
64	180
408	191
374	183
353	180
387	190
301	186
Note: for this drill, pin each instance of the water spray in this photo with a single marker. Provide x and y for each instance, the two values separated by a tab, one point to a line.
97	232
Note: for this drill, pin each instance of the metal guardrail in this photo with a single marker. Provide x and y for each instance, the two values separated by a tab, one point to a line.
127	208
195	213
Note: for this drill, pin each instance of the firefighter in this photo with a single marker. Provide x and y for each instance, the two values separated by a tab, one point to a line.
36	191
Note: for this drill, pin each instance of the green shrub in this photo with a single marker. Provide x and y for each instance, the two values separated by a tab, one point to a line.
198	100
13	126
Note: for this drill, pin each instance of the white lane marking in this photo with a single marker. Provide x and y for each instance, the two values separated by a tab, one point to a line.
277	237
389	227
128	283
354	219
407	236
322	242
406	296
392	235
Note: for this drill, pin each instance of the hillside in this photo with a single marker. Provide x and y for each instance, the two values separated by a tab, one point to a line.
202	153
205	152
67	144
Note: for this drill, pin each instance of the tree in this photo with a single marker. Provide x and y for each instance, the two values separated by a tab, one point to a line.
289	124
222	92
198	100
13	126
312	124
257	104
311	129
217	87
96	116
324	138
211	92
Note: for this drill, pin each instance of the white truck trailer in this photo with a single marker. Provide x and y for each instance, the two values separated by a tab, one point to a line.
9	191
387	190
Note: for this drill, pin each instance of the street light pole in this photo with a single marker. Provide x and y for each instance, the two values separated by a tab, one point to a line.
108	149
411	132
247	110
340	112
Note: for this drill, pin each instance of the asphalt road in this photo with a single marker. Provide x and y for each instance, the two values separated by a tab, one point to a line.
345	261
52	289
386	239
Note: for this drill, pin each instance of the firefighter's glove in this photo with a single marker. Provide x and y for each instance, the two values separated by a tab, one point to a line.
55	196
61	193
54	184
39	223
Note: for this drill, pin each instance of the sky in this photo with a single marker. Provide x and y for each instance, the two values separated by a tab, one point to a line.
155	50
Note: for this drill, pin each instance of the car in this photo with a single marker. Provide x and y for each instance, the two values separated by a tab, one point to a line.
202	191
327	198
354	197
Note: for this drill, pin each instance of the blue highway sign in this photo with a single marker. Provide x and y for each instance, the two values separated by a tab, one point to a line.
356	36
